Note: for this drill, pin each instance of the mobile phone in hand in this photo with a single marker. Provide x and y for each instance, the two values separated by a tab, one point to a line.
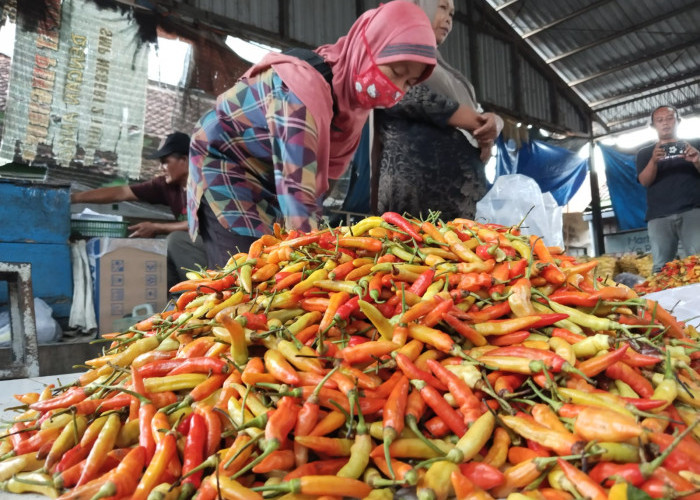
673	150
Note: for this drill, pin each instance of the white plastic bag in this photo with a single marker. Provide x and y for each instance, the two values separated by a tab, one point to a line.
47	329
512	197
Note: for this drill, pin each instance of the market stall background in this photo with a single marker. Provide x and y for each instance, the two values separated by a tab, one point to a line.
563	74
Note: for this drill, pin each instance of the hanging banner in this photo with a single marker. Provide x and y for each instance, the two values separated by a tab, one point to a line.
77	90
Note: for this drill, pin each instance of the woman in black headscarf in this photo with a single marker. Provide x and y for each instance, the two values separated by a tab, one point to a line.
432	146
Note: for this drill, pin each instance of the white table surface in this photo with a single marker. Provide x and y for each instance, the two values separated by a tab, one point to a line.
22	386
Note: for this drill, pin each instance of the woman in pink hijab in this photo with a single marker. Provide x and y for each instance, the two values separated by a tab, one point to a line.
265	153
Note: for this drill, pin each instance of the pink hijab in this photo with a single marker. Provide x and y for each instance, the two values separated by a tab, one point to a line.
396	31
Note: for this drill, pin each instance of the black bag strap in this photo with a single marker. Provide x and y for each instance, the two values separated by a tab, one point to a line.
317	62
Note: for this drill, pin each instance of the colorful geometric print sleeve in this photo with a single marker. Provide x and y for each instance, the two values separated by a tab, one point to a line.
294	142
253	159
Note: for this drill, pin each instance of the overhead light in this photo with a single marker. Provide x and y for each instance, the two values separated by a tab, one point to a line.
544	133
518	124
529	126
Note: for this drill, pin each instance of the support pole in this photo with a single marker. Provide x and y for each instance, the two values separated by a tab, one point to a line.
597	236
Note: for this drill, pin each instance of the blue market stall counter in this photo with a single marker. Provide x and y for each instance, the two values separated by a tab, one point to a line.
35	228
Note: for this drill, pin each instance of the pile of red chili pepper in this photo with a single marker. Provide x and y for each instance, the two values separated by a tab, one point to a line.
448	360
674	274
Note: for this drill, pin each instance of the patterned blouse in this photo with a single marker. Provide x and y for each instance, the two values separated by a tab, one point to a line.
425	163
253	159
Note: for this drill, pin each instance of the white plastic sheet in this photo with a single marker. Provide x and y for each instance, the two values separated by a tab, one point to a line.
683	302
512	197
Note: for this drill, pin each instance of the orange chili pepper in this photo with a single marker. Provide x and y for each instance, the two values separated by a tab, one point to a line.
582	481
103	445
393	416
165	451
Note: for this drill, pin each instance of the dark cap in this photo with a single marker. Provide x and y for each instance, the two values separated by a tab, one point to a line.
177	142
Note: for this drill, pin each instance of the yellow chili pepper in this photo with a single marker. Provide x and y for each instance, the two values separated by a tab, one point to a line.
577	316
437	481
174	382
128	434
380	322
300	357
310	281
618	492
667	390
459	248
563	349
233	300
475	438
13	465
30	482
305	320
67	439
565	323
590	346
364	225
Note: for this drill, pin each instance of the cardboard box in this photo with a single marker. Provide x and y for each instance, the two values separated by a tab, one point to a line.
126	273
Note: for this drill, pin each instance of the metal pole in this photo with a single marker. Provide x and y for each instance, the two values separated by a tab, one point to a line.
598	241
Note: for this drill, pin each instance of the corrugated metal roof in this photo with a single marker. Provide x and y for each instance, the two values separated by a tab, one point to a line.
621	57
548	62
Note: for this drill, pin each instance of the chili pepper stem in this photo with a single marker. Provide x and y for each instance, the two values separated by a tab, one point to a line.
249	443
412	424
551	402
648	468
488	389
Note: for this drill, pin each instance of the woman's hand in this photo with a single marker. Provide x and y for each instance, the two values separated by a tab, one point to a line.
485	148
489	127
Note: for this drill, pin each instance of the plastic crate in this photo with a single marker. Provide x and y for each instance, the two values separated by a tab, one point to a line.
98	228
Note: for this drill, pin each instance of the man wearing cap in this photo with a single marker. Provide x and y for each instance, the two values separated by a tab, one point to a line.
167	189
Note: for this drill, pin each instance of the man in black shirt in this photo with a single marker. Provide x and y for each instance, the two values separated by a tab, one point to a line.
168	189
670	170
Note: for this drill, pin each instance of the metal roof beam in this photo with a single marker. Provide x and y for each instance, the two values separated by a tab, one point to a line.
692	102
618	34
528	52
505	5
567	17
681	81
636	62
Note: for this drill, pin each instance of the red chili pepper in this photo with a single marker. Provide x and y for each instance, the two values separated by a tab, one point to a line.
469	405
598	364
434	399
317	468
213	426
627	374
510	338
357	340
420	286
517	268
483	475
636	359
490	312
465	330
434	316
350	306
193	454
403	224
567	335
606	473
413	372
68	398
